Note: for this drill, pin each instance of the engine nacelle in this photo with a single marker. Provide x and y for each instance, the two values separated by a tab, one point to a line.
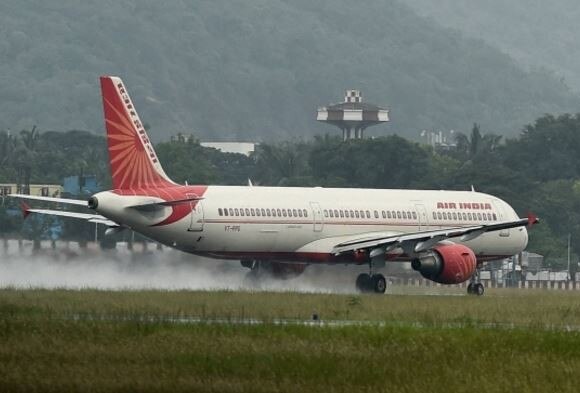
447	264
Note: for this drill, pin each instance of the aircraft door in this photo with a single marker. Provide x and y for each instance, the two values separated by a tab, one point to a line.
422	214
196	223
317	217
501	217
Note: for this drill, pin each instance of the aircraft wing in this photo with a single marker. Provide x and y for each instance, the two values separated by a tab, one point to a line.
421	241
76	202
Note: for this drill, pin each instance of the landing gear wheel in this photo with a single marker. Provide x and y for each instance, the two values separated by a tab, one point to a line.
363	283
379	283
478	289
470	288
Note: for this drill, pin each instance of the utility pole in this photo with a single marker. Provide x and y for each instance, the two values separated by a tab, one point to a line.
568	274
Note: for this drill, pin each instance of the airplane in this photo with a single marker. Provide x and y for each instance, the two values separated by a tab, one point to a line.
447	235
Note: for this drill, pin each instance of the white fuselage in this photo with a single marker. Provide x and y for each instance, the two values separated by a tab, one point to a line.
306	223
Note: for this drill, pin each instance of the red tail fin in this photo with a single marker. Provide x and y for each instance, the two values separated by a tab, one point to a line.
134	163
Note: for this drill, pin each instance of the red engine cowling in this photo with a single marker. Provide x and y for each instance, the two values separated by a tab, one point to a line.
447	264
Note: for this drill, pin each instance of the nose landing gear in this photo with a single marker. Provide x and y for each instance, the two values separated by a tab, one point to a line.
475	286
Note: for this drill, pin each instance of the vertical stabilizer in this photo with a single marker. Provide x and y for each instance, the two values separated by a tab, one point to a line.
134	163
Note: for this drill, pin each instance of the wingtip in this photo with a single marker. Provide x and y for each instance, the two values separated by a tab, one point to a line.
532	219
25	209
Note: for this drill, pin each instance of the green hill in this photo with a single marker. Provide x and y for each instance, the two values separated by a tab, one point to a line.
257	69
537	34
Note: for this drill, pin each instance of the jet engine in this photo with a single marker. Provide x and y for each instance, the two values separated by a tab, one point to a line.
447	264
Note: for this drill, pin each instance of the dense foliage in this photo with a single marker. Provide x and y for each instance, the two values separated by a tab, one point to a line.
537	171
257	70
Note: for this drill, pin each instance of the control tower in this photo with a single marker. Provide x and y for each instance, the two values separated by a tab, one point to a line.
352	116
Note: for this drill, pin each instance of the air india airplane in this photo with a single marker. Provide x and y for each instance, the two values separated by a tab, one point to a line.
446	235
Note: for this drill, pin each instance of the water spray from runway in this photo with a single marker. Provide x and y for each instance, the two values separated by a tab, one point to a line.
164	270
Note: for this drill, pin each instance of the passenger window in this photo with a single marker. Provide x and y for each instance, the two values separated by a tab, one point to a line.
479	216
335	213
434	215
220	212
470	216
459	216
389	214
352	214
225	212
341	213
253	212
247	211
404	214
237	212
356	213
484	217
258	212
284	212
376	214
305	213
295	213
384	214
439	215
267	212
279	212
346	214
231	211
242	212
454	216
368	214
399	215
325	213
300	212
414	216
394	214
331	214
464	217
290	213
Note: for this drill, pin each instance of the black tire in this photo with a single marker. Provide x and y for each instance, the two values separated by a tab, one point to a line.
379	283
363	283
470	289
479	289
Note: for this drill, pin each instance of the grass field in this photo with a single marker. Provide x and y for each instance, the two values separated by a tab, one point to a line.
509	340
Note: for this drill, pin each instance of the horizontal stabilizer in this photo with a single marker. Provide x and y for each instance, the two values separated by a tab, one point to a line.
94	218
76	202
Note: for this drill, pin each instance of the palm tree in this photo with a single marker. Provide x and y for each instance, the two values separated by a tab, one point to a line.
26	156
477	144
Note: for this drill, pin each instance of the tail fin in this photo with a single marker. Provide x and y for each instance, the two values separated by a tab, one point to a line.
134	163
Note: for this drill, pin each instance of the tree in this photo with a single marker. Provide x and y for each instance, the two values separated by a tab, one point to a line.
477	145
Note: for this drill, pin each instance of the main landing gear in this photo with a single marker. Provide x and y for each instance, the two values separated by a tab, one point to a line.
475	287
367	283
